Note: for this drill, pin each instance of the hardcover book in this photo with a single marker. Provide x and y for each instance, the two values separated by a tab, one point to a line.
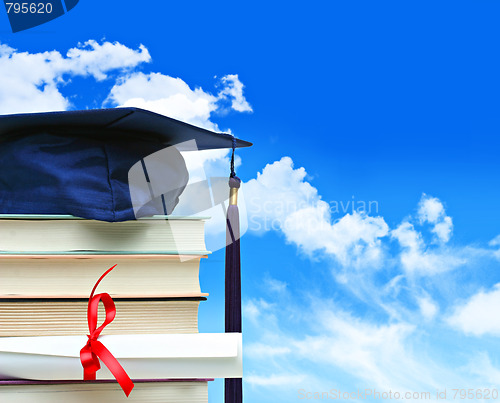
145	391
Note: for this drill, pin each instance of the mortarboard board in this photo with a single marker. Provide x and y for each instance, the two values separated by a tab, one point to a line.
78	162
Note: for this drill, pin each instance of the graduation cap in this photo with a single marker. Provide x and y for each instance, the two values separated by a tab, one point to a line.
78	162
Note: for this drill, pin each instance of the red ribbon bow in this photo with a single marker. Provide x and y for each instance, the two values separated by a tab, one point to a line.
94	349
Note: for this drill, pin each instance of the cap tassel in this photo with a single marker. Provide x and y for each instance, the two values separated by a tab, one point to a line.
233	391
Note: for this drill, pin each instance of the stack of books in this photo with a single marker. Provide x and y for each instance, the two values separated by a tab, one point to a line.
48	267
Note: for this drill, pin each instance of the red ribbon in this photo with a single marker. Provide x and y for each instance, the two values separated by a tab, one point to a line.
94	349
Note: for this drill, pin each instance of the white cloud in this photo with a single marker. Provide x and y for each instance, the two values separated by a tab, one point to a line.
165	95
173	97
373	353
479	315
233	90
409	287
274	285
257	310
280	199
387	354
265	350
428	307
354	240
276	193
31	82
418	258
495	241
97	60
431	210
407	236
381	356
483	368
274	379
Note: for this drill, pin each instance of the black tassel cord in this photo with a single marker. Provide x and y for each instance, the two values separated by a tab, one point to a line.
233	390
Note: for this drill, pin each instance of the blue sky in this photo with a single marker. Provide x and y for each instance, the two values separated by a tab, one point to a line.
391	102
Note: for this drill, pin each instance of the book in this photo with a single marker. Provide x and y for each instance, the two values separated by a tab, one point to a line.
68	316
75	275
151	235
145	391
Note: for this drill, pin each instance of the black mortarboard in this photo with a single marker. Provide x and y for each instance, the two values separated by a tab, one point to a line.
78	162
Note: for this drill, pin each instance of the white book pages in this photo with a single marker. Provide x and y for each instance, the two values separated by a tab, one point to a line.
144	392
174	235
